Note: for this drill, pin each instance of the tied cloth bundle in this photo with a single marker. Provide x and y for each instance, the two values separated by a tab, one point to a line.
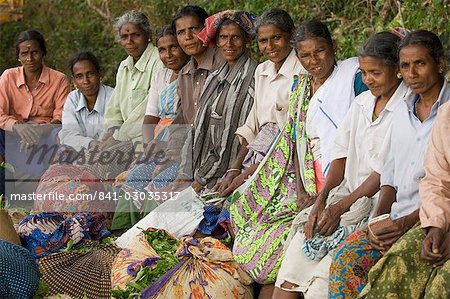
244	19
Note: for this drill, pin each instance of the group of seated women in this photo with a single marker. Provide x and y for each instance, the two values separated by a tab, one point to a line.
303	176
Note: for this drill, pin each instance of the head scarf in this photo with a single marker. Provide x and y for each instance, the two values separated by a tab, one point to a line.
244	19
400	32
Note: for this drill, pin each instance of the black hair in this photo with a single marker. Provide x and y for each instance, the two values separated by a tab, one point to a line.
427	39
384	46
190	11
85	55
312	29
31	34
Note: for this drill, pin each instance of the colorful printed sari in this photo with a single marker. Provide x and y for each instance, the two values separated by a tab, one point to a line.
351	264
402	274
261	215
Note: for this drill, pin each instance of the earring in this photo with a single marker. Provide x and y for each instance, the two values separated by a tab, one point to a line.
399	76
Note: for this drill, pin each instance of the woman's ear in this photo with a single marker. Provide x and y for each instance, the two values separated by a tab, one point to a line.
334	46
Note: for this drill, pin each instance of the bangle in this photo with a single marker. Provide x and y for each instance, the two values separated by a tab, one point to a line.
232	169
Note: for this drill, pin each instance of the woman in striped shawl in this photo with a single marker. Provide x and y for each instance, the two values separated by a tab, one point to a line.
226	100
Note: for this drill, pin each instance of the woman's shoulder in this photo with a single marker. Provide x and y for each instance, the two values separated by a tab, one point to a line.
54	72
263	67
108	89
348	65
11	73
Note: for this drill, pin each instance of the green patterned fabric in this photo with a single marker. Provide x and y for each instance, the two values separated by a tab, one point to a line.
263	212
402	274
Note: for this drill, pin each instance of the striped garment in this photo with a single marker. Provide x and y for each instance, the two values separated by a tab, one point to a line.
225	104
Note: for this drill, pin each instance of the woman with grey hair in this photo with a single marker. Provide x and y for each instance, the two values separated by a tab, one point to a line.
125	112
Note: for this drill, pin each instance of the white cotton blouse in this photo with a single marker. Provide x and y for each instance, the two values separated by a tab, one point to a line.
363	142
272	92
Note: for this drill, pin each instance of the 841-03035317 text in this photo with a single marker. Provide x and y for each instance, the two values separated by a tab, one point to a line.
96	195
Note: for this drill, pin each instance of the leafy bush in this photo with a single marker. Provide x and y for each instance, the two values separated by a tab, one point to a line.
74	25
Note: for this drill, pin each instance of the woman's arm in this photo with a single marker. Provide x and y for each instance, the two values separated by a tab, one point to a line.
304	200
334	177
148	128
387	197
330	218
224	187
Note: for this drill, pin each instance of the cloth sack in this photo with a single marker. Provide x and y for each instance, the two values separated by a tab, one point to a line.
180	216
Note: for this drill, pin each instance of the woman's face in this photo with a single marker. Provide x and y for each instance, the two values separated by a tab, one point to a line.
187	28
171	53
274	44
379	77
419	69
86	78
133	39
316	54
31	56
232	41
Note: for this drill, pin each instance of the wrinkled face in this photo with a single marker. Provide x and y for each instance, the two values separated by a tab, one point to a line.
187	28
133	39
86	78
274	44
419	69
31	56
316	54
232	40
171	53
379	77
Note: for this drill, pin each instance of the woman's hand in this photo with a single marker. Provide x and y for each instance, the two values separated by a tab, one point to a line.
226	190
390	234
329	219
177	186
436	247
197	187
375	242
304	200
223	184
316	211
30	134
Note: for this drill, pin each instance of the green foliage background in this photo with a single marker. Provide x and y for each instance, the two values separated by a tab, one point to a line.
73	25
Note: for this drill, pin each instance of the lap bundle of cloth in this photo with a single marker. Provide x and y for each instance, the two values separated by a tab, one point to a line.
19	273
201	269
66	183
46	233
402	273
83	270
80	273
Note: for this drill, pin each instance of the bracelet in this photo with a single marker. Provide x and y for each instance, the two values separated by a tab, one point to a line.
232	169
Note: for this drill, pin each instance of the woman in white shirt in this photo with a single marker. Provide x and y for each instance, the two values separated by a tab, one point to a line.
357	156
84	108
